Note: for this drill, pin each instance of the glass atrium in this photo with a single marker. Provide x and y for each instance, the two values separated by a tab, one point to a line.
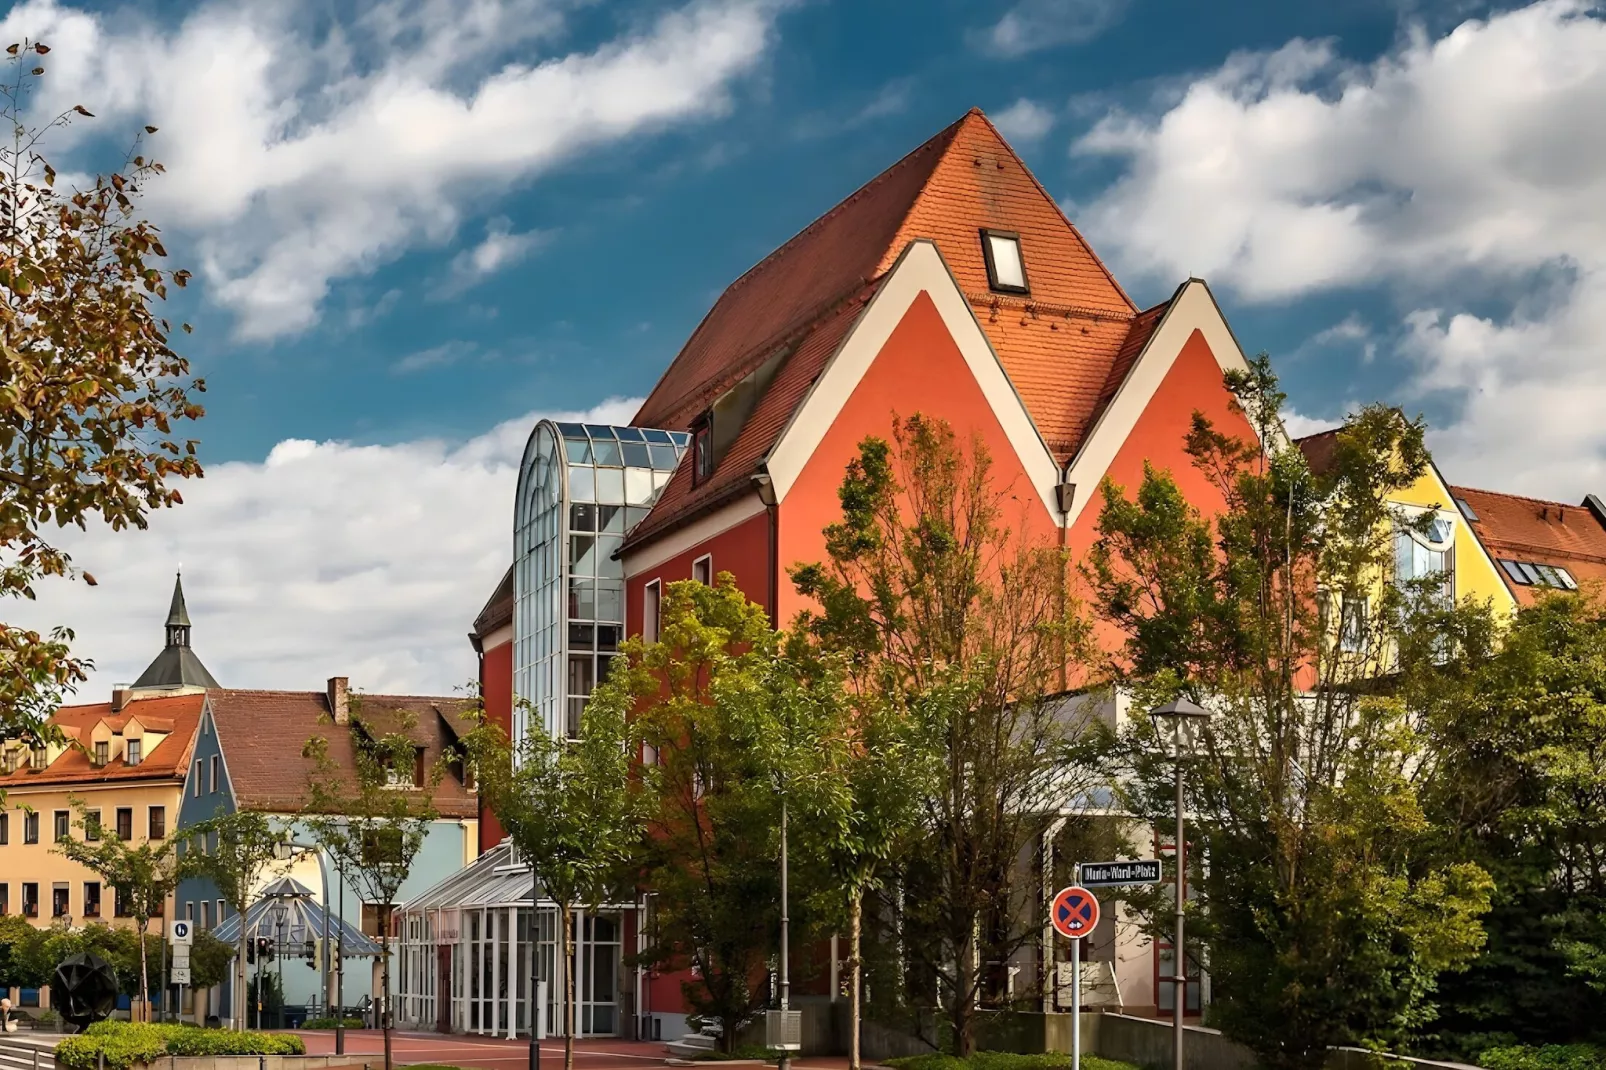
581	488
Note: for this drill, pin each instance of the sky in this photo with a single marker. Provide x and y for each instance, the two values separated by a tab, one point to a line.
417	226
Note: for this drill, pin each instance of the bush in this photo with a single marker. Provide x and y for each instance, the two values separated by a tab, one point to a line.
127	1043
329	1023
1004	1060
1549	1057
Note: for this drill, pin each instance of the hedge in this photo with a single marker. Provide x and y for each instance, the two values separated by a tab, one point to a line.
329	1023
1549	1057
1004	1060
126	1044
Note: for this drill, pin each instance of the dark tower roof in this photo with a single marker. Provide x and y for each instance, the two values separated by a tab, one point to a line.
176	666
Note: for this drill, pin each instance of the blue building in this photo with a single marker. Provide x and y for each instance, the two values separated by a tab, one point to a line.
248	755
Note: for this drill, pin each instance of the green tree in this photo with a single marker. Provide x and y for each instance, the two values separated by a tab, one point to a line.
143	876
1519	786
951	612
575	811
237	852
21	963
372	818
209	960
90	389
712	857
1326	914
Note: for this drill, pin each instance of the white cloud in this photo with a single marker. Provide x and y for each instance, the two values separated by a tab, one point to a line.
300	152
501	249
1035	24
1024	120
324	559
1455	170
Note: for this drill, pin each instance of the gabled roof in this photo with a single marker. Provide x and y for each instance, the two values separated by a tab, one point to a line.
262	734
180	716
498	610
1533	530
1059	345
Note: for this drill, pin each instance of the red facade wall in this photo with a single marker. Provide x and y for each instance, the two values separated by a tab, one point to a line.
496	689
920	369
743	550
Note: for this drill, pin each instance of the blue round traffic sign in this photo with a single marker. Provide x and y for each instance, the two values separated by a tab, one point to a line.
1074	912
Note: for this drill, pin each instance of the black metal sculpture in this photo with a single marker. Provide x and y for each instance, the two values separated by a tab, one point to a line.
85	989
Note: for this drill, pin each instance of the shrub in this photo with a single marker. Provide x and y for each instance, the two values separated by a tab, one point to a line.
125	1044
1549	1057
329	1023
1004	1060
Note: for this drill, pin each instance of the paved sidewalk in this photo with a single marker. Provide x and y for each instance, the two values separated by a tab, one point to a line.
492	1053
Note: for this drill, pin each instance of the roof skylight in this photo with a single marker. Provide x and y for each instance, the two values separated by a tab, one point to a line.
1006	269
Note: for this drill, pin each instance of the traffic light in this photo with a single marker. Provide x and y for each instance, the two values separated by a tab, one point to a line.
251	952
309	953
264	946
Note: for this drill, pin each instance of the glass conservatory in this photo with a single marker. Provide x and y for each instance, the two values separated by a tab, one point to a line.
581	488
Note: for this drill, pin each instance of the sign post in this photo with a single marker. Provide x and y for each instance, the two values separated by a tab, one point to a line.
1074	914
181	935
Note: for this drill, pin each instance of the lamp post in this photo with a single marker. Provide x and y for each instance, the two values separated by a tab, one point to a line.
284	851
1179	723
281	911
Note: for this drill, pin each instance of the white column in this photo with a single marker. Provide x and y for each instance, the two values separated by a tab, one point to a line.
513	971
580	947
492	1004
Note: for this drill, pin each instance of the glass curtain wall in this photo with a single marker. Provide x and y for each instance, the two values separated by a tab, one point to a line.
582	487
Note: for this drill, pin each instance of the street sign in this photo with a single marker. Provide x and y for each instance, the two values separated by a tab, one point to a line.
181	975
181	932
181	955
1112	874
1074	912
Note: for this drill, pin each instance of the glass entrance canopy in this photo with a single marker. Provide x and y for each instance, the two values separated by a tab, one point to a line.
582	487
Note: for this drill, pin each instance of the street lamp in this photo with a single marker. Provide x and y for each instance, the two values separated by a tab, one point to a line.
285	850
1179	724
281	912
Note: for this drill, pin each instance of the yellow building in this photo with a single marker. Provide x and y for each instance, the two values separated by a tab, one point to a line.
1449	545
124	760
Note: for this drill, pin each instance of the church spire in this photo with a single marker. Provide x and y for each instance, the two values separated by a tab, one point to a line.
176	666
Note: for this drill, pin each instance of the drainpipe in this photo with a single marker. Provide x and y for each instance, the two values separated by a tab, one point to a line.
766	494
1064	496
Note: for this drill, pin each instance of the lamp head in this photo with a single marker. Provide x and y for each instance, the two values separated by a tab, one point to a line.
1181	723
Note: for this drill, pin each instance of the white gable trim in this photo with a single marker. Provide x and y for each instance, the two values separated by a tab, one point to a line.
1192	309
689	537
919	269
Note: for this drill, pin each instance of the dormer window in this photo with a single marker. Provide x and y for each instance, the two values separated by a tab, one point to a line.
36	758
102	752
131	754
702	451
1006	268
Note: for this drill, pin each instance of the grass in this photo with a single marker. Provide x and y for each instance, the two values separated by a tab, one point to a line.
1003	1060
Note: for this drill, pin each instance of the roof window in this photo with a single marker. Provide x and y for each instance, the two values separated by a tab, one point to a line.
1006	268
1533	574
1466	509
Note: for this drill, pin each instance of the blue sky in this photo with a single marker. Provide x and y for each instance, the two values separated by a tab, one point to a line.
419	224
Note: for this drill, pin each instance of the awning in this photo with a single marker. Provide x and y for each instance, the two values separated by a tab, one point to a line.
303	923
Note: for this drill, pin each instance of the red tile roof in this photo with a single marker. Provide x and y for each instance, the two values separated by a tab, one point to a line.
262	734
1059	345
178	716
1540	532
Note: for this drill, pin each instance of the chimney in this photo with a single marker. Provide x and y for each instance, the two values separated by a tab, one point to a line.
339	700
120	696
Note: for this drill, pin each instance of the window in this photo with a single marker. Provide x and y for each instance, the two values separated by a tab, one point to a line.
125	823
381	847
1418	556
195	780
36	758
1466	509
156	823
702	570
120	903
212	775
60	901
189	910
206	914
63	824
11	760
1535	574
30	899
702	450
131	754
1006	270
1352	625
220	914
5	829
5	898
651	601
102	752
30	828
91	825
375	918
92	899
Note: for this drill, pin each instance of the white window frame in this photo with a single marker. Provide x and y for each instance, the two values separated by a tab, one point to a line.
706	564
652	601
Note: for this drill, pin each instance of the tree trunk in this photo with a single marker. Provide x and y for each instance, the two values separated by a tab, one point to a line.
855	973
384	987
239	977
960	1015
144	972
564	915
